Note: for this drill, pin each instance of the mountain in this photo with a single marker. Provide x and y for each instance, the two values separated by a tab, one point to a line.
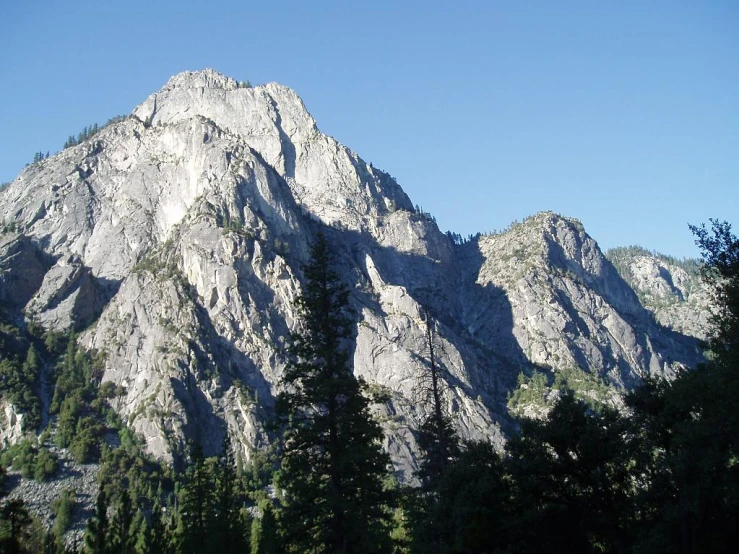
671	289
174	241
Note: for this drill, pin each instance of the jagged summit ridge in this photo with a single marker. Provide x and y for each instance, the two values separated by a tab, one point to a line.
328	178
204	78
176	239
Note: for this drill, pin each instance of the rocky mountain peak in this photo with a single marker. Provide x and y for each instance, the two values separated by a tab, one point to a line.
204	78
670	288
180	234
327	179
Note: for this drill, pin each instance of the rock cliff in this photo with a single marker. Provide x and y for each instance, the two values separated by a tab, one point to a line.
671	289
175	240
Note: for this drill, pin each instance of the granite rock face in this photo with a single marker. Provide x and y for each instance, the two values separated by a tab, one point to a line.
181	232
11	424
671	289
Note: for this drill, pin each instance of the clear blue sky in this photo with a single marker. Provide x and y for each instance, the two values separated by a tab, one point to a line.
622	114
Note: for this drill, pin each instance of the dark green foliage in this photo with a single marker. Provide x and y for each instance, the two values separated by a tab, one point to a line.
440	452
621	256
535	391
436	437
89	132
13	342
690	427
126	467
234	226
19	379
424	215
570	473
123	533
14	527
33	461
459	240
470	507
97	533
130	486
84	446
333	466
24	352
63	508
39	157
78	375
228	528
80	415
46	465
202	512
720	256
439	444
264	533
159	536
141	534
20	531
564	486
197	510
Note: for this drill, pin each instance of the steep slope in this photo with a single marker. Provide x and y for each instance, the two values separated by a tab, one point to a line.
671	289
544	293
180	233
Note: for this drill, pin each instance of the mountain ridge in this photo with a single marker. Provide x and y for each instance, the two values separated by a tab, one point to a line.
175	239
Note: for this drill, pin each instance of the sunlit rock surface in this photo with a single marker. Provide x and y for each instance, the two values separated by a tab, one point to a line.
175	240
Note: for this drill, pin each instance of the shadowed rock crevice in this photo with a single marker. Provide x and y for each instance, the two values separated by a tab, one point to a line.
184	240
22	268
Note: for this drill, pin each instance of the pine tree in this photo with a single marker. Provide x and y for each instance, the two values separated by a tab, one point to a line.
30	375
140	534
197	508
121	539
14	520
690	426
3	479
333	465
436	437
159	543
228	536
96	534
63	507
439	450
264	539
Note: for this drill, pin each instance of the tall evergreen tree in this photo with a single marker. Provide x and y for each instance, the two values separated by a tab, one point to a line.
122	540
439	450
160	534
14	521
436	437
264	539
690	426
197	507
96	534
572	482
228	533
333	465
140	534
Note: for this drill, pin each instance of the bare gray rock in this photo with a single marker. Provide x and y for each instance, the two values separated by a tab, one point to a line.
671	289
182	231
22	269
11	424
38	497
